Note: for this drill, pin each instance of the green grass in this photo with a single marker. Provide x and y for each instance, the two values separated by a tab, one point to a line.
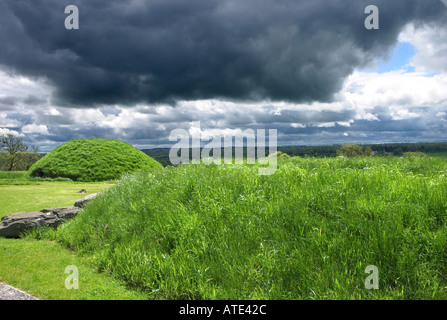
306	232
13	175
38	267
38	195
92	160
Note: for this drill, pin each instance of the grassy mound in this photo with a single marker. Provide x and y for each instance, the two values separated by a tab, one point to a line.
306	232
92	160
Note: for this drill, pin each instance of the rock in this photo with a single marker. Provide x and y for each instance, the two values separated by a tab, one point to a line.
10	293
82	202
13	225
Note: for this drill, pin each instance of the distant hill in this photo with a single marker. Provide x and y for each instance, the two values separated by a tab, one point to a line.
92	160
162	154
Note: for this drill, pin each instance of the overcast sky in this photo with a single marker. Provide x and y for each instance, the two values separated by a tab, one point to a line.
136	70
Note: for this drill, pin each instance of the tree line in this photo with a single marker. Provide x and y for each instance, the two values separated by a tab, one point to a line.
15	155
397	149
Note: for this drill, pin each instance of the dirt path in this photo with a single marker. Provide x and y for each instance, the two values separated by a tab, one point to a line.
9	293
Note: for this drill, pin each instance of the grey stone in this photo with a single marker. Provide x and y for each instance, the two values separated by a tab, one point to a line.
10	293
11	226
82	202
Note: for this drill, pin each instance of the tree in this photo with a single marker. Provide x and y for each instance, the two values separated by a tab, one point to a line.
15	152
354	150
27	159
280	155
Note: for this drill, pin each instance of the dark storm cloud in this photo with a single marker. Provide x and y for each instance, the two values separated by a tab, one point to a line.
33	100
127	52
8	103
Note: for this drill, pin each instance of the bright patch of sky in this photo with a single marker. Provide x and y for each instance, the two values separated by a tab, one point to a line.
400	59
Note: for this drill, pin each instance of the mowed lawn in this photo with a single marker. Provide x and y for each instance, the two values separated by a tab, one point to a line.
19	196
38	267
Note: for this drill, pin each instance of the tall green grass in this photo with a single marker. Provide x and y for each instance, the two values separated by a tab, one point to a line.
306	232
13	175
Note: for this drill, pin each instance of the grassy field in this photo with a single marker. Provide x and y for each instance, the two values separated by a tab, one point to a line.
38	267
306	232
20	194
225	232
